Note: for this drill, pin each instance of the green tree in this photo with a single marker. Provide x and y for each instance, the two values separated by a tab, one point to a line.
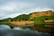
22	17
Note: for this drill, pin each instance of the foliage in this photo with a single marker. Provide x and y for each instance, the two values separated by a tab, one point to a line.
22	17
6	23
41	18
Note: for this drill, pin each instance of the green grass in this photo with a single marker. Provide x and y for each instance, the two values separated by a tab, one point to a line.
41	18
5	23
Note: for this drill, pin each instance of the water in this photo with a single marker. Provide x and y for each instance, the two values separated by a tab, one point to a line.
5	30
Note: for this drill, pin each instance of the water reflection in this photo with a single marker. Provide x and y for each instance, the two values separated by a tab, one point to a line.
17	28
5	30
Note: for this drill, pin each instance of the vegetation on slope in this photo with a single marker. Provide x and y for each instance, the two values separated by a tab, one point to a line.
24	17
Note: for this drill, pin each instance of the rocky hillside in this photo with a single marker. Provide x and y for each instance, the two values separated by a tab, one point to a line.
42	13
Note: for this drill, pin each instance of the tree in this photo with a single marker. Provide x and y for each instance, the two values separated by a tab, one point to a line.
22	17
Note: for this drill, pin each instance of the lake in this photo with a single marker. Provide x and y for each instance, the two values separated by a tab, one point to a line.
5	30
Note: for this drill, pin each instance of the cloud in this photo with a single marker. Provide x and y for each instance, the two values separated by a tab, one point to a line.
8	7
15	6
12	8
39	9
12	15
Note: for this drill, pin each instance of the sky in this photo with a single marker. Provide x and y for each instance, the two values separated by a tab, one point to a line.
13	8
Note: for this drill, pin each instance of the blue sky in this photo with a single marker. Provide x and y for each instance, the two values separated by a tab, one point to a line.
12	8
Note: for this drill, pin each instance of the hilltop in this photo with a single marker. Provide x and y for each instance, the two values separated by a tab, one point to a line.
42	13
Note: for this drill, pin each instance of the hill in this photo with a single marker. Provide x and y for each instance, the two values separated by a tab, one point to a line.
25	17
42	21
37	17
